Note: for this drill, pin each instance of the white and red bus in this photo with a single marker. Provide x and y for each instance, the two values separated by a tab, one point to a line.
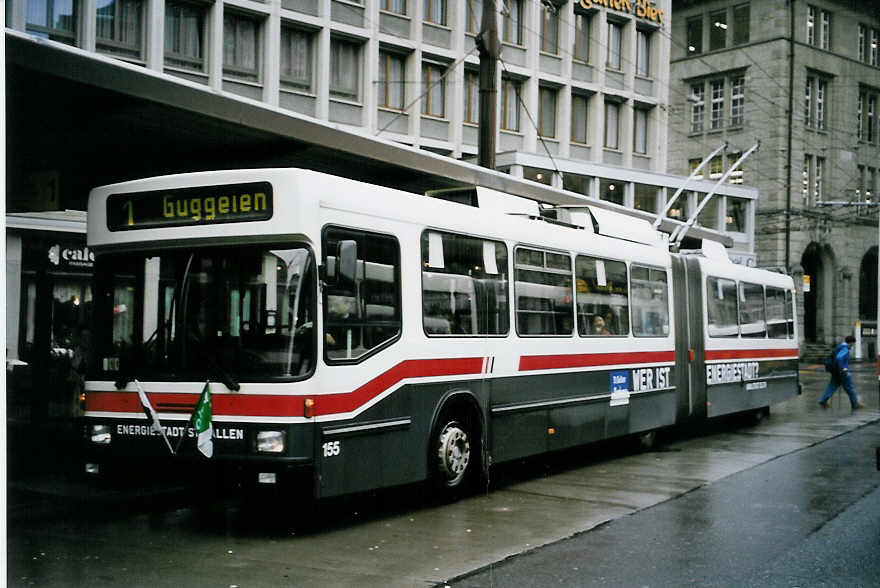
359	337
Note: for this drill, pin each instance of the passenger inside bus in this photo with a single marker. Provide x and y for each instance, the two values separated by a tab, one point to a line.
599	326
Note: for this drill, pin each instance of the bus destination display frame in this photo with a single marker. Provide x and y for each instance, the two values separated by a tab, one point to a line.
199	205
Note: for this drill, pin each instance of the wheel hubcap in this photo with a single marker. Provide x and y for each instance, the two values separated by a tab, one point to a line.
453	453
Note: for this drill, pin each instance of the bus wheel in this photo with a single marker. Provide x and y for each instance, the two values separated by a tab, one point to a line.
646	441
759	415
454	454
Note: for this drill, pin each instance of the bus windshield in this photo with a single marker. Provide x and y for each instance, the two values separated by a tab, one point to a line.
228	314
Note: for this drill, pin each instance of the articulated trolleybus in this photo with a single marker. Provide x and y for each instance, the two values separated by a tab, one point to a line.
354	337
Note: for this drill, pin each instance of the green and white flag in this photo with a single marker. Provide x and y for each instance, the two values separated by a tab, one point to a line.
201	422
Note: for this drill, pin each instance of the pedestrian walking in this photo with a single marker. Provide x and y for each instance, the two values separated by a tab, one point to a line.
840	375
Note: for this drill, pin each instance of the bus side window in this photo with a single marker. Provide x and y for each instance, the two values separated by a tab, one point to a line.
464	285
751	310
650	302
602	297
778	308
543	293
721	306
363	313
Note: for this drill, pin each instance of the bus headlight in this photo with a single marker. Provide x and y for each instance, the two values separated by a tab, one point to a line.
101	434
270	442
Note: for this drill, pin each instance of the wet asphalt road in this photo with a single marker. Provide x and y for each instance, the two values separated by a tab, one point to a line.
808	519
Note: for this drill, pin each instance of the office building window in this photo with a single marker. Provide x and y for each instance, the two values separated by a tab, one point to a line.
640	130
434	88
53	19
811	25
805	177
580	108
549	29
119	27
716	165
825	40
875	46
547	111
862	42
345	69
474	16
611	190
435	11
612	125
645	197
735	219
643	53
297	58
512	23
510	100
736	176
815	102
698	107
718	30
471	96
737	101
614	41
871	135
392	69
695	35
397	6
860	109
819	191
241	46
184	35
821	86
741	17
692	165
808	101
860	182
717	113
581	50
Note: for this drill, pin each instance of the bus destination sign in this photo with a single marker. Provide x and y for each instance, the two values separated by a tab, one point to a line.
202	205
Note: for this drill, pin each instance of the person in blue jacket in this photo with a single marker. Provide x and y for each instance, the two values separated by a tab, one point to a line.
840	376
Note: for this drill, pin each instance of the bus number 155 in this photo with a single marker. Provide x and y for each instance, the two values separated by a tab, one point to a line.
331	449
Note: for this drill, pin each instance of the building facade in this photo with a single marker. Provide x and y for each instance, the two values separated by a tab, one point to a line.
803	79
582	85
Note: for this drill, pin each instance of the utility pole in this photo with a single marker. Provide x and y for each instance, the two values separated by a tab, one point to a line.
490	52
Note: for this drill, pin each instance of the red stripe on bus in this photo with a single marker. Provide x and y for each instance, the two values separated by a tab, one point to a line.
576	360
751	354
275	405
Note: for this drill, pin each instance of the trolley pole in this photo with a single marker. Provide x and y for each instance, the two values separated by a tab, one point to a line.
490	51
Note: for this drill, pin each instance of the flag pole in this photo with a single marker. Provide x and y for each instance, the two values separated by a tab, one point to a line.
155	424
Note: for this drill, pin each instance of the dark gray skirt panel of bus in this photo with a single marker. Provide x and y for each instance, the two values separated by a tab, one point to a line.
267	458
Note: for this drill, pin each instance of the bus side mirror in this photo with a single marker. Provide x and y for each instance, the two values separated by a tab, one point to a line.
346	259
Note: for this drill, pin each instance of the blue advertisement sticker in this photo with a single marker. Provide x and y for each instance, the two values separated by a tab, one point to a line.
620	381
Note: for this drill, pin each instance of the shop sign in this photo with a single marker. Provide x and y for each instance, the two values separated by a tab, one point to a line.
66	257
638	8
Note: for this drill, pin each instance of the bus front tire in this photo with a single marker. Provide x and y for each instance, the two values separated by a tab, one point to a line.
455	451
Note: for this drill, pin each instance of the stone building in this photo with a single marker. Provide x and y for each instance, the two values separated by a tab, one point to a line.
803	79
